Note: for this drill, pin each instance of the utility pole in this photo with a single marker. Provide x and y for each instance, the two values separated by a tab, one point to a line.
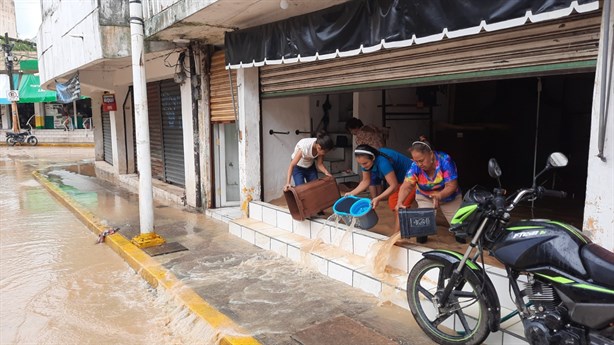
147	238
8	61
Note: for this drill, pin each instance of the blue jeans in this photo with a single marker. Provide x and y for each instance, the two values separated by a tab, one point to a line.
302	175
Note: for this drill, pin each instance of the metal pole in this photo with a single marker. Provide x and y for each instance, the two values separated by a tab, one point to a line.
147	238
606	78
74	114
8	61
539	94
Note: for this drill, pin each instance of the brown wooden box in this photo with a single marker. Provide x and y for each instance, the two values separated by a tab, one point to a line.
310	198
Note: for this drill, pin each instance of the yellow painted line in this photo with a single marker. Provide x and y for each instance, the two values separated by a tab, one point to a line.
154	273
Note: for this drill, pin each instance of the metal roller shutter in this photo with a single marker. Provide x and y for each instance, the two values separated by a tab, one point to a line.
155	130
107	143
553	47
222	109
172	132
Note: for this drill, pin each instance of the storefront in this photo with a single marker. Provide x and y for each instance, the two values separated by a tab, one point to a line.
166	132
490	69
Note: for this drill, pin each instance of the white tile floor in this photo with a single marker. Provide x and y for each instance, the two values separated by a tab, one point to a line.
346	259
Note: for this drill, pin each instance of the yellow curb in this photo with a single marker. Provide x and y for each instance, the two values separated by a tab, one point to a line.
153	272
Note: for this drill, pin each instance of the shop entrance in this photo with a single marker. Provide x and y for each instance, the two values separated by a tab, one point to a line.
226	164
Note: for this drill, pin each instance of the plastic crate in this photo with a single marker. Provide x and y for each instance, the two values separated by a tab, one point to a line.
417	222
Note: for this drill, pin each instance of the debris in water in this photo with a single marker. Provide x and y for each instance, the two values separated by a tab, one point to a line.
106	233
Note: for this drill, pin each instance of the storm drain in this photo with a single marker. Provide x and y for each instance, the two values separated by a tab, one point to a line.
165	248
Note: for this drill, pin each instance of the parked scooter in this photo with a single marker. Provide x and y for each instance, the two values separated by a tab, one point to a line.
23	137
565	294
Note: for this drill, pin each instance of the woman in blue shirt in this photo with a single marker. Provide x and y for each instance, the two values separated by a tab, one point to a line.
387	164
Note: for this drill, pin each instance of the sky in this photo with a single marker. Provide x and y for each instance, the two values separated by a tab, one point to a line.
28	13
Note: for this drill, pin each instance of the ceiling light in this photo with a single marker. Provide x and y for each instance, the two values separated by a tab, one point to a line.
283	4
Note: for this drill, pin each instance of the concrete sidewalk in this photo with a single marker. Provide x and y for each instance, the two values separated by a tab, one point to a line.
244	294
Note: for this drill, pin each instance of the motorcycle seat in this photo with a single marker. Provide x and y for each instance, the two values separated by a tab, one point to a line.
599	263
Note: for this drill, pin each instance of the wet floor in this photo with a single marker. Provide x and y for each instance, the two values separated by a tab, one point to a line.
56	285
273	298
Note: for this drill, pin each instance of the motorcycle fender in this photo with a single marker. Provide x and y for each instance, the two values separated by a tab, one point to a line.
450	260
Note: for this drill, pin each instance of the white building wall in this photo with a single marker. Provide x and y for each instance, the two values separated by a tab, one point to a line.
69	37
248	98
599	202
8	22
281	114
188	142
118	132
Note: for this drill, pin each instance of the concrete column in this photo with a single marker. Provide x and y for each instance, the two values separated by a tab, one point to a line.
6	118
38	110
126	104
599	202
118	132
97	121
188	142
205	133
248	101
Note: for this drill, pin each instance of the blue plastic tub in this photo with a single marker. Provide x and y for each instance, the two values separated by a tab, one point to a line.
343	205
361	209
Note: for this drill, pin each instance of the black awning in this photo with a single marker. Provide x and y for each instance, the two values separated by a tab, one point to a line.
364	26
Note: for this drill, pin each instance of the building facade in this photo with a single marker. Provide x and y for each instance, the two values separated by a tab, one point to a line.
8	20
232	86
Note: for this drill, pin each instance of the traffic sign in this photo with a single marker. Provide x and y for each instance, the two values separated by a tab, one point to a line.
13	95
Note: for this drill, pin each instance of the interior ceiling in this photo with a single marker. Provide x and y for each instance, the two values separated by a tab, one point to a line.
209	24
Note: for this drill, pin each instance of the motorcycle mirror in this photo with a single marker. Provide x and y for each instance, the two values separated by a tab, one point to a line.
494	170
557	160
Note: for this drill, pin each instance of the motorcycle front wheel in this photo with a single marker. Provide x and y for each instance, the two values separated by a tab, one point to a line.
32	140
11	141
462	319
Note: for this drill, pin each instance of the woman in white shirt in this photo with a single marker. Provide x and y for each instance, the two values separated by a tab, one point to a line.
308	154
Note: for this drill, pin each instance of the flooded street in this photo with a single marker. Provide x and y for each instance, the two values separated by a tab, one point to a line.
59	287
56	285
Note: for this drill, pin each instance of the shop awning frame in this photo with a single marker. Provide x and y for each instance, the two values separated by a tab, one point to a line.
366	26
30	90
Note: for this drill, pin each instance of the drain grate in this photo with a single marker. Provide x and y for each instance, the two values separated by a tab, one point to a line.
165	248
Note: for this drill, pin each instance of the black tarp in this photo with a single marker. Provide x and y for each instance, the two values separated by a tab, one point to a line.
370	25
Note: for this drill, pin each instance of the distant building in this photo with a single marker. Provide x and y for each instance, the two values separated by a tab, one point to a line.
8	21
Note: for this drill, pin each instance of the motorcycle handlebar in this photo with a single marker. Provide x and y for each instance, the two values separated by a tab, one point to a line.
552	193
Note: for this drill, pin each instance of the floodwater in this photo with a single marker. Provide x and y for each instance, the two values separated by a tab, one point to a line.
56	285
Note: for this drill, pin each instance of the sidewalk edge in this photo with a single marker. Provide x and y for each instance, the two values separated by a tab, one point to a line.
154	273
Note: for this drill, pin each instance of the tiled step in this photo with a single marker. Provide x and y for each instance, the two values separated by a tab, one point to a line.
349	257
60	136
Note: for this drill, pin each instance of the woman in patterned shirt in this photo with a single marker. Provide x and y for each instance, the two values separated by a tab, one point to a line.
434	178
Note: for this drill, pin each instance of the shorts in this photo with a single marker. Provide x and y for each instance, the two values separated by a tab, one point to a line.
394	198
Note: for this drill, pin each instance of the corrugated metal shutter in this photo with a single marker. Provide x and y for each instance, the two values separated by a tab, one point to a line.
155	130
553	47
107	143
172	132
221	99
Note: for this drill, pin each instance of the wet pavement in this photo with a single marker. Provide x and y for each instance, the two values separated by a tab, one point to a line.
275	300
56	285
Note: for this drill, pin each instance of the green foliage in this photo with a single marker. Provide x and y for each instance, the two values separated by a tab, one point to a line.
24	46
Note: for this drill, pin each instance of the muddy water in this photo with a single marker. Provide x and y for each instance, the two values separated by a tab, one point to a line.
56	285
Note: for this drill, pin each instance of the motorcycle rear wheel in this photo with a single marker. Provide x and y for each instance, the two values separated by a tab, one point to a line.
11	141
463	319
32	140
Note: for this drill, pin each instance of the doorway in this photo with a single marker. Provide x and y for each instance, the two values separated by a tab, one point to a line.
226	157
